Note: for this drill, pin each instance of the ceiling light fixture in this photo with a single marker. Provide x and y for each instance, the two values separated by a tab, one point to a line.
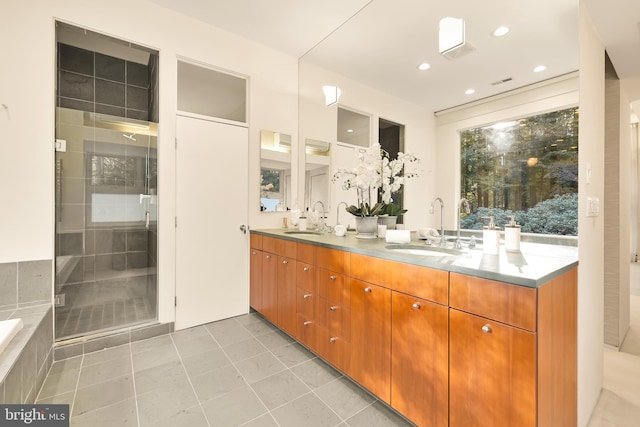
349	130
500	31
451	34
424	66
331	94
470	91
539	68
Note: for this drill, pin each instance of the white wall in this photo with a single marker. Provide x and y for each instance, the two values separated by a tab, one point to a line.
591	230
548	96
27	128
318	121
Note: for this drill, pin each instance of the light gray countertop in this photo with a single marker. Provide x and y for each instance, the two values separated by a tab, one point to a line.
534	265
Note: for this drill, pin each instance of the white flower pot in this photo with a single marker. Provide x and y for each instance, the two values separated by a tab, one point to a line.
389	221
366	227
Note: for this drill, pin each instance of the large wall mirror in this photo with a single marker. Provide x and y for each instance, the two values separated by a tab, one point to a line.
374	60
275	171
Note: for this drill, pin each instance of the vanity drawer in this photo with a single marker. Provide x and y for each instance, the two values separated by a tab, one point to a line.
333	259
306	253
305	303
332	286
306	276
285	248
422	282
255	240
511	304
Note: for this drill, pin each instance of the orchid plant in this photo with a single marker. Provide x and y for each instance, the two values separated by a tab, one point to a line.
375	170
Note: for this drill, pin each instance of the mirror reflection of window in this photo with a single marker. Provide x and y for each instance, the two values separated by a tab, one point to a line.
354	128
275	171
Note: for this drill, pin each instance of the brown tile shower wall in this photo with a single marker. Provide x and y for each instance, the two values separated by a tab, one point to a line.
91	81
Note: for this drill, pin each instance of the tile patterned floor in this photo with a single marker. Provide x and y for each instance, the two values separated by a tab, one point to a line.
235	372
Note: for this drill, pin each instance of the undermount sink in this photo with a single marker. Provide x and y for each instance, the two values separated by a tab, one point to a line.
423	250
303	232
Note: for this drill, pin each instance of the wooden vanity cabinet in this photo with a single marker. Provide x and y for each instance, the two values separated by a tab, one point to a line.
255	272
307	296
419	359
513	357
370	353
286	294
333	305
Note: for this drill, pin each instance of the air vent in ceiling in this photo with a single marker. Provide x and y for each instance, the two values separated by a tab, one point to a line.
457	52
499	82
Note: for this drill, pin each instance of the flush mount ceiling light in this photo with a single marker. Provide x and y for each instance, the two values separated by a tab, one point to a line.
451	34
470	91
331	94
539	68
424	66
500	31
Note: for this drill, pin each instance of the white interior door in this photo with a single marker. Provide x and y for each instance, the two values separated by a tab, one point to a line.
212	280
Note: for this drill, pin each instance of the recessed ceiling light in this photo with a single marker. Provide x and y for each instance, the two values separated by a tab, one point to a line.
539	68
500	31
470	91
349	130
424	66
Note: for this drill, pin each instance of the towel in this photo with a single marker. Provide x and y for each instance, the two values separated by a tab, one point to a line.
398	236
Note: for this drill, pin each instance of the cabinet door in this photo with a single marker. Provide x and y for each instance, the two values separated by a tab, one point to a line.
270	286
370	350
419	360
287	294
492	373
255	279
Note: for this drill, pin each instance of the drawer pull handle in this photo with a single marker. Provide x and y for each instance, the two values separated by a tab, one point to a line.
253	253
332	340
306	269
332	277
306	296
416	305
486	328
268	256
307	323
285	262
367	289
333	307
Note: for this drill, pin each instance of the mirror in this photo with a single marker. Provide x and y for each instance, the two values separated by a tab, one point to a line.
373	59
317	173
275	171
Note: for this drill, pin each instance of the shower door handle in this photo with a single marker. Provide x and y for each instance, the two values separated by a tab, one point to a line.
244	228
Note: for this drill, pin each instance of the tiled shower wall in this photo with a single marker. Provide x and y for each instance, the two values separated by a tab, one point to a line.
91	81
25	283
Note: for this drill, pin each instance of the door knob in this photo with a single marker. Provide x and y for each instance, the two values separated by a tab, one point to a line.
244	228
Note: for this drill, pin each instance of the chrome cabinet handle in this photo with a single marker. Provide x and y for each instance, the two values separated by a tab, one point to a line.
268	256
332	340
306	296
333	308
332	277
285	262
306	269
486	328
253	253
416	305
367	289
307	323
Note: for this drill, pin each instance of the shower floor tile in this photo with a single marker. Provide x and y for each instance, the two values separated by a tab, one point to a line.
76	321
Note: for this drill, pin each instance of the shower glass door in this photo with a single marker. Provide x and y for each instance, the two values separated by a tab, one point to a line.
106	223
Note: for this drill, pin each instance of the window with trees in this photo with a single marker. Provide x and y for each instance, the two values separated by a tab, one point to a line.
527	168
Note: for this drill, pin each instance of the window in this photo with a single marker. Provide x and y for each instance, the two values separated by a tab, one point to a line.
527	168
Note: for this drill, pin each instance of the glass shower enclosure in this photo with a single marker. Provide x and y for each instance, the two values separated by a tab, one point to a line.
106	199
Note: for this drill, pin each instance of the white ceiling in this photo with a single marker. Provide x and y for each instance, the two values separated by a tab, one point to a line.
384	40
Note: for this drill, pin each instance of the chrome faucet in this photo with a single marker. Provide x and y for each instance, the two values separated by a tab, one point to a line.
443	242
320	227
338	211
467	209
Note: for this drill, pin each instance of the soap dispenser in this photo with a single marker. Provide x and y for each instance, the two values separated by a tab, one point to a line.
491	238
512	236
